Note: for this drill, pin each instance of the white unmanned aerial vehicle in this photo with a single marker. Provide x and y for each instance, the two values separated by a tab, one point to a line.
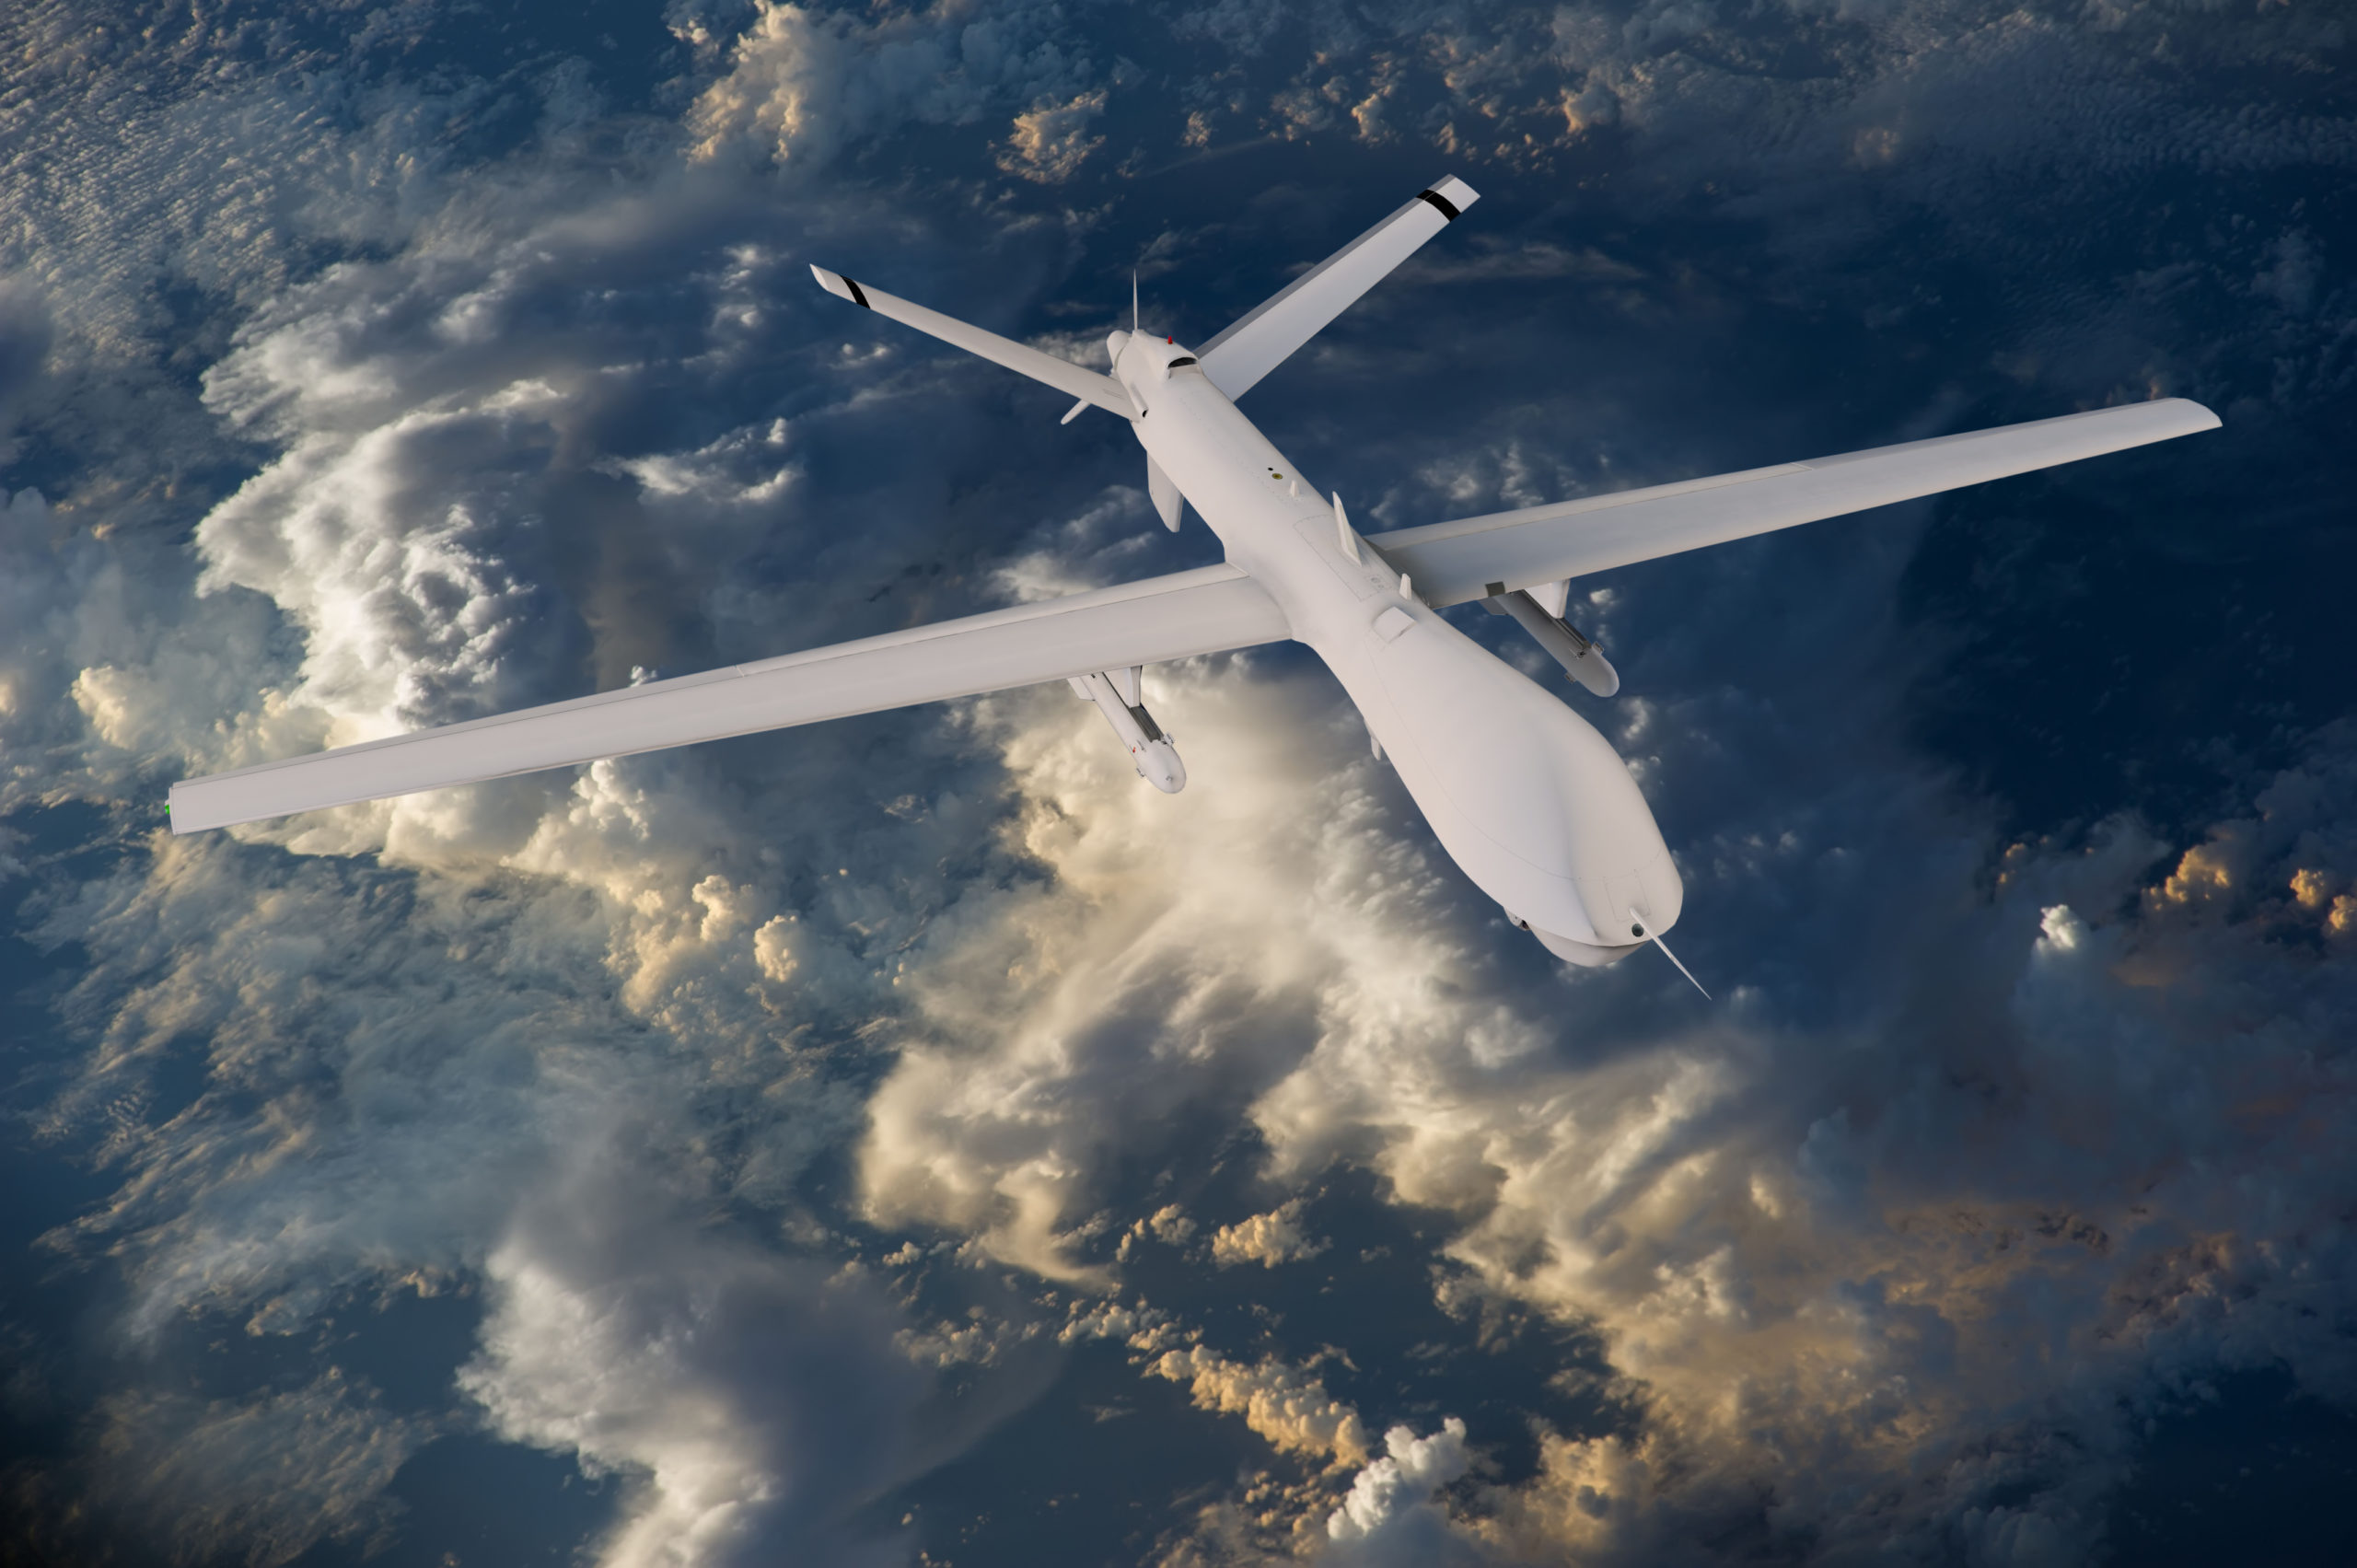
1530	799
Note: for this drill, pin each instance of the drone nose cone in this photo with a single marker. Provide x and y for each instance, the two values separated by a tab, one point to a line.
1586	955
1571	949
1639	897
1523	793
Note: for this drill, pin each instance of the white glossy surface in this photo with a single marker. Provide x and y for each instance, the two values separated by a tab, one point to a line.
1582	660
1021	358
1153	755
1163	491
1261	340
1529	799
1206	610
1531	802
1453	563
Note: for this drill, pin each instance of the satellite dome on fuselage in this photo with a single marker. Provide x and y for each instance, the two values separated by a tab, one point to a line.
1141	359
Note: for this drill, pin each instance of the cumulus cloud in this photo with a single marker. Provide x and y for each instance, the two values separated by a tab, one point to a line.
801	82
1267	1239
1050	139
298	1112
406	623
753	1401
1996	1144
1387	1517
1845	1267
1050	1025
1170	1223
1933	1286
1282	1403
1287	1404
505	1135
441	525
1787	1227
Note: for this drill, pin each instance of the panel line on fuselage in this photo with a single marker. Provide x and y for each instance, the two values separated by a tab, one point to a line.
1530	802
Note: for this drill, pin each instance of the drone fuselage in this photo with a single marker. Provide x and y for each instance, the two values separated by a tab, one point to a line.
1530	800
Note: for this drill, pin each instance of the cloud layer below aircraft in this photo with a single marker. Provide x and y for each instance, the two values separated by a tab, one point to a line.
788	1104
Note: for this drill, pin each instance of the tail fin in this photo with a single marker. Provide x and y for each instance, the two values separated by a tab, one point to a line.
1063	375
1163	491
1261	340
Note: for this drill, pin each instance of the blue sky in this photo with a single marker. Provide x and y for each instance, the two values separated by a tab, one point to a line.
913	1139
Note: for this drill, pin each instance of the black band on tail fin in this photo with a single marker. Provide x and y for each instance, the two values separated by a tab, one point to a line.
1448	208
860	300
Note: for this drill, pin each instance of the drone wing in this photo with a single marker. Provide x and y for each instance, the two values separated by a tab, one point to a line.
1260	341
1207	610
1478	557
1088	386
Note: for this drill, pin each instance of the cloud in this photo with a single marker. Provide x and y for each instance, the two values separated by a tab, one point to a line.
412	612
1170	1225
509	1132
1869	1285
1282	1403
801	84
1997	1143
1934	1288
1052	1022
1267	1239
1388	1518
753	1401
1236	25
264	1479
168	178
1780	1221
442	1107
1050	139
24	339
308	1069
1286	1403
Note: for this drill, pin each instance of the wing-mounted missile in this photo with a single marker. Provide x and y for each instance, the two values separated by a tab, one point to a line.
1545	622
1118	696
